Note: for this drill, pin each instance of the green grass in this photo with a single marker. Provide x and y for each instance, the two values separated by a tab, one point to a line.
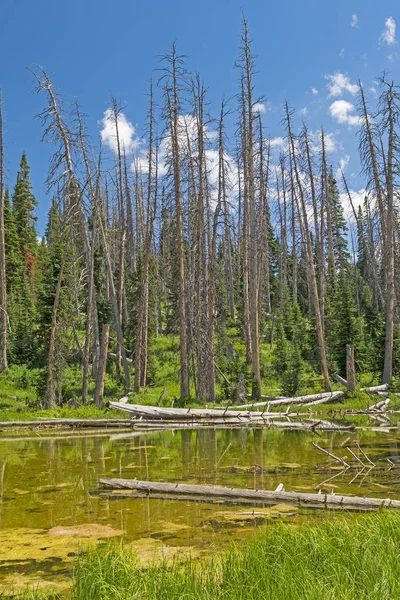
356	559
350	559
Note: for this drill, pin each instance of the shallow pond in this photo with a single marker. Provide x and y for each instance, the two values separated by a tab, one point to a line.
51	505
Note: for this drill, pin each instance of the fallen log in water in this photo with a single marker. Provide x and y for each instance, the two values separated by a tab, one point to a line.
213	493
258	423
69	423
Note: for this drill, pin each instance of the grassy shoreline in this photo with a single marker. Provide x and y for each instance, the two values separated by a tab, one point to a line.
349	559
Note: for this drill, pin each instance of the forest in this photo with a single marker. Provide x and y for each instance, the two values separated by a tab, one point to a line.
200	264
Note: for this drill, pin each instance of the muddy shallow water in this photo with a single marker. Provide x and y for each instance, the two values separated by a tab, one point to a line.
51	506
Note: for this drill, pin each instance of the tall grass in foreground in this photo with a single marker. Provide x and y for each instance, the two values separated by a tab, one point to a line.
348	560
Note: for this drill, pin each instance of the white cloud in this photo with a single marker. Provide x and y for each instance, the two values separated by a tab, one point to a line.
278	142
341	111
388	35
314	92
341	53
259	107
357	199
329	141
303	111
338	83
354	21
126	132
343	162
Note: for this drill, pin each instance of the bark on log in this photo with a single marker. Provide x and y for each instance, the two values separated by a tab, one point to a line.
156	412
259	423
69	423
381	406
183	490
339	379
375	388
327	396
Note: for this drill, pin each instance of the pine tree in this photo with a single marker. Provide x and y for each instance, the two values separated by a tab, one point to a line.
23	206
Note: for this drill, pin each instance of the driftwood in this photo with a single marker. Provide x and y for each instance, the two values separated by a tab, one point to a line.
215	493
178	418
160	413
265	423
381	406
331	455
69	423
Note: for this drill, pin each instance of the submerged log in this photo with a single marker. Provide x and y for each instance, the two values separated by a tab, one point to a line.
266	423
205	492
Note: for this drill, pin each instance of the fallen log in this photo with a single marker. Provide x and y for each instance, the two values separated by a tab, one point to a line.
324	400
211	493
259	404
160	413
325	396
69	423
375	388
381	406
157	412
284	400
113	356
340	379
235	424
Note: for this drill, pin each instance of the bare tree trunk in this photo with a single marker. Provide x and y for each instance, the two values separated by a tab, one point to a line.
50	393
368	152
245	239
101	371
142	326
173	112
253	279
310	260
389	259
350	369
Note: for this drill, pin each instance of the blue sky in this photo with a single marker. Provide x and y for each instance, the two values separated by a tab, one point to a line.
92	48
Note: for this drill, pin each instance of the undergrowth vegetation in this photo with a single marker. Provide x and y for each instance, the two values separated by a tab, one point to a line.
349	559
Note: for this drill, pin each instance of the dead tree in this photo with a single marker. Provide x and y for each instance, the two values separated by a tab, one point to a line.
310	257
173	75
